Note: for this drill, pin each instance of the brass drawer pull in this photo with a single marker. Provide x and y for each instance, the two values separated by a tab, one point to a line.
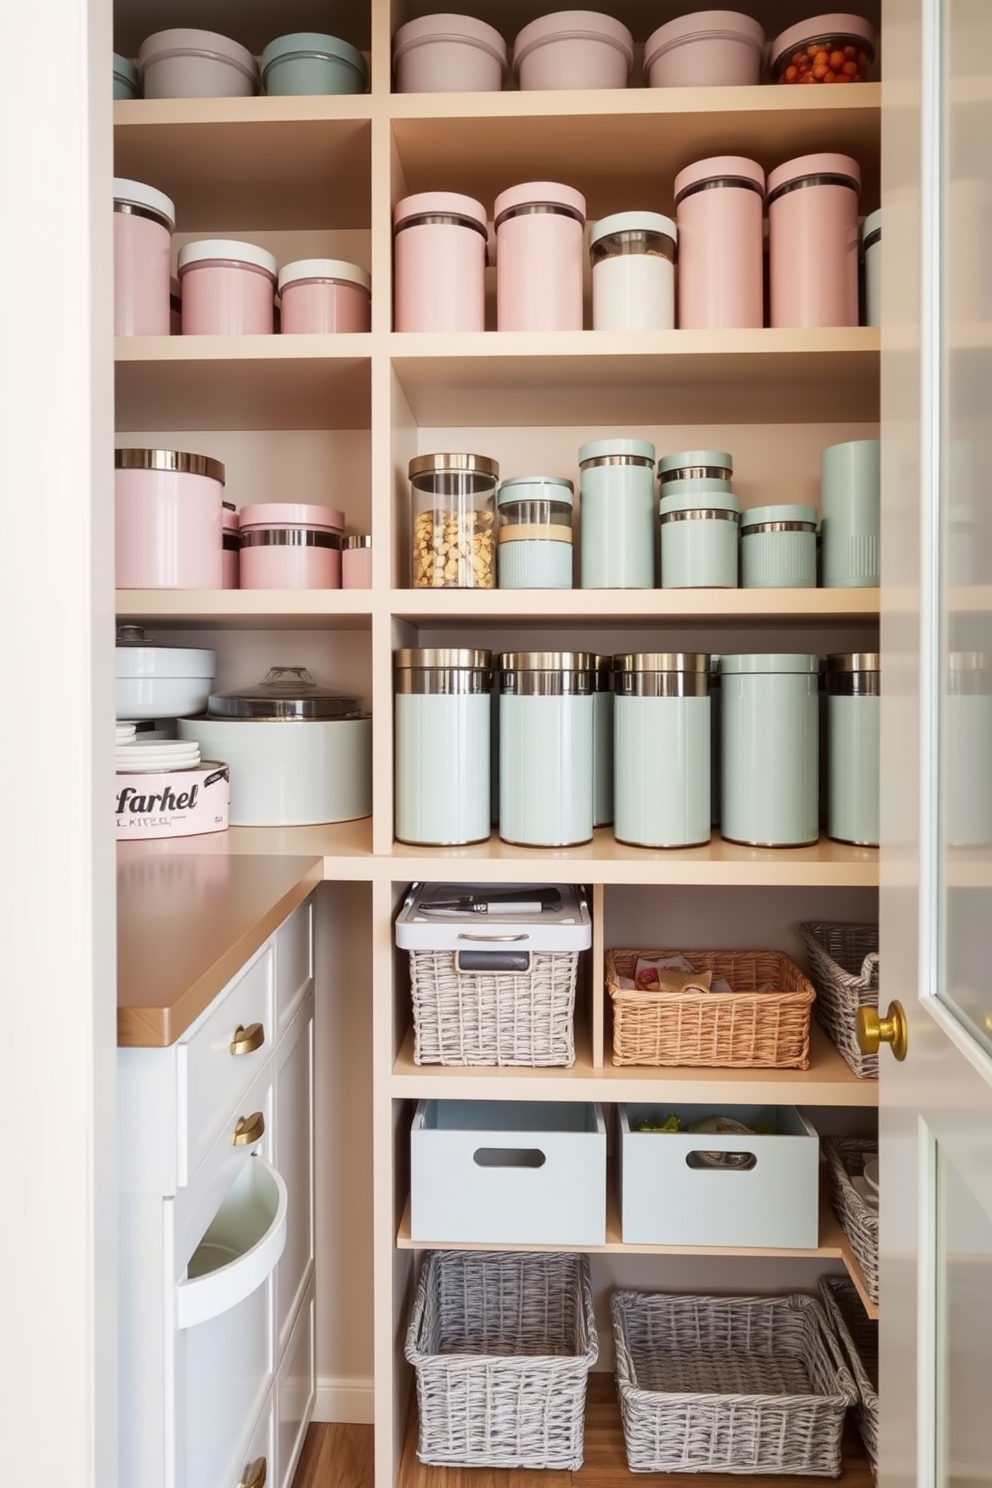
249	1129
255	1473
247	1040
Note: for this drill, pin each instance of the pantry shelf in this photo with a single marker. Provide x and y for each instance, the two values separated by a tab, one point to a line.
248	609
521	607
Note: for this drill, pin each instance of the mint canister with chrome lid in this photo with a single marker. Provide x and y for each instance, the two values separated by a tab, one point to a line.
546	748
778	547
602	740
310	63
853	749
535	532
616	490
769	749
850	513
698	538
441	745
692	467
662	765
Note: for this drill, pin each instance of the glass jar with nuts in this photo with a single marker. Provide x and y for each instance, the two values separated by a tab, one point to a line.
454	522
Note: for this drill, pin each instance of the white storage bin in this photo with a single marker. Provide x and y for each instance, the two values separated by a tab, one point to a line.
675	1191
508	1172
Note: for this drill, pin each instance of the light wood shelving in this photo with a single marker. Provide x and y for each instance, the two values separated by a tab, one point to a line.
248	609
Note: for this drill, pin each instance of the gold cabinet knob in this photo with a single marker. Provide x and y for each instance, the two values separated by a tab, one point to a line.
247	1040
248	1129
255	1474
891	1030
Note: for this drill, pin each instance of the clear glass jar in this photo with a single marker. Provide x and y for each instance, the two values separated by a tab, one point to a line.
454	521
824	49
535	532
633	272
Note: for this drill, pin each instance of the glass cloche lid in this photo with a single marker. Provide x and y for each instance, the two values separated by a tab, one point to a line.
285	692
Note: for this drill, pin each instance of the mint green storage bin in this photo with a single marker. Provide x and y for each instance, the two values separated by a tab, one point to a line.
662	742
617	509
850	514
778	547
698	539
853	752
310	62
769	749
127	83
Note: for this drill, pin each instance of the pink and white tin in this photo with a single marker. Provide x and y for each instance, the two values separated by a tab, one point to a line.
439	263
187	63
540	257
448	54
290	545
708	49
320	295
168	520
232	546
356	562
183	802
573	49
228	288
719	213
144	220
813	241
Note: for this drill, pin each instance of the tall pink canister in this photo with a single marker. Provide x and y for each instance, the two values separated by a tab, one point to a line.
439	263
540	255
168	520
144	220
813	241
719	214
228	288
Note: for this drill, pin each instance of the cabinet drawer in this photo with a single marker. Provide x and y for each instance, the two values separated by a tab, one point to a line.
296	1392
293	1156
294	963
258	1458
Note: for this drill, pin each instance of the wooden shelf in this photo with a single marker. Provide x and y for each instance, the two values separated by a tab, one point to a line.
248	609
242	382
652	377
624	609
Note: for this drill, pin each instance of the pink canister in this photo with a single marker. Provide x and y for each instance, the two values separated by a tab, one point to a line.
228	288
290	545
707	49
324	294
718	210
144	220
439	263
573	49
448	54
813	241
356	562
187	63
232	546
540	256
168	520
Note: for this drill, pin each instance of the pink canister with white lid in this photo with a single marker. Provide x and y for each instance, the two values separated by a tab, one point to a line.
447	53
320	295
439	263
228	288
168	520
290	545
813	241
540	257
709	48
573	49
183	62
144	219
719	212
232	546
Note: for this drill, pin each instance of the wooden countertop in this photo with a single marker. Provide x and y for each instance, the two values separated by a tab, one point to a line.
186	921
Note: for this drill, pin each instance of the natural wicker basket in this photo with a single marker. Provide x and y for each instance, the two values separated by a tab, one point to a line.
502	1344
858	1337
743	1029
729	1384
493	1017
846	1158
843	967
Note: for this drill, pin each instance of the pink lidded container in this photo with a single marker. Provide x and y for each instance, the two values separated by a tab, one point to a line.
232	546
448	54
168	520
836	48
708	49
540	257
356	562
290	545
439	263
186	63
228	288
813	241
324	294
719	213
144	220
573	49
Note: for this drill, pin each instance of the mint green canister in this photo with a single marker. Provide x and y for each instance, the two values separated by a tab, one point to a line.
310	62
769	749
685	469
545	748
778	547
602	740
853	753
535	533
662	762
617	506
850	513
699	538
441	745
127	83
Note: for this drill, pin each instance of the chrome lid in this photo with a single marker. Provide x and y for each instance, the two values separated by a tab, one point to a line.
453	463
546	661
285	692
440	656
663	661
179	461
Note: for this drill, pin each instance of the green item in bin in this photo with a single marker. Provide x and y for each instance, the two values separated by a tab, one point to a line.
670	1124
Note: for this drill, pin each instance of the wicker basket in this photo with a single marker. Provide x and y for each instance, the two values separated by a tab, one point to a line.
846	1158
743	1029
843	966
502	1344
857	1334
729	1384
493	1017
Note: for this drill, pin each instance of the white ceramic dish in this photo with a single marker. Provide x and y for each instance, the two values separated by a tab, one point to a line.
153	681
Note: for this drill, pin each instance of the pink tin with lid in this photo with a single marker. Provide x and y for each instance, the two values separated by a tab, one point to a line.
813	241
320	295
187	63
709	48
447	53
356	562
144	219
290	545
573	49
540	257
167	520
719	212
228	288
439	263
232	546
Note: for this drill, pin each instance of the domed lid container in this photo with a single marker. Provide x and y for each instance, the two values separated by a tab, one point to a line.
729	170
871	229
573	49
696	464
127	83
539	194
833	48
336	270
292	514
228	251
535	488
636	451
311	62
137	654
424	204
144	201
448	53
635	225
187	63
709	48
285	694
813	170
174	462
770	517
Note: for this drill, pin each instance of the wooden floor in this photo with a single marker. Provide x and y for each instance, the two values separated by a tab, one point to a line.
341	1457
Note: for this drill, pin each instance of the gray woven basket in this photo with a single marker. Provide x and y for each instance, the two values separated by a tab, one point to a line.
492	1017
857	1334
502	1343
846	1158
729	1384
843	967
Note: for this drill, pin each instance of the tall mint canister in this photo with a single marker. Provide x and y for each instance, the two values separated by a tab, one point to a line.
769	749
698	537
662	765
616	492
602	740
545	748
441	746
850	513
778	547
967	746
853	751
535	532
